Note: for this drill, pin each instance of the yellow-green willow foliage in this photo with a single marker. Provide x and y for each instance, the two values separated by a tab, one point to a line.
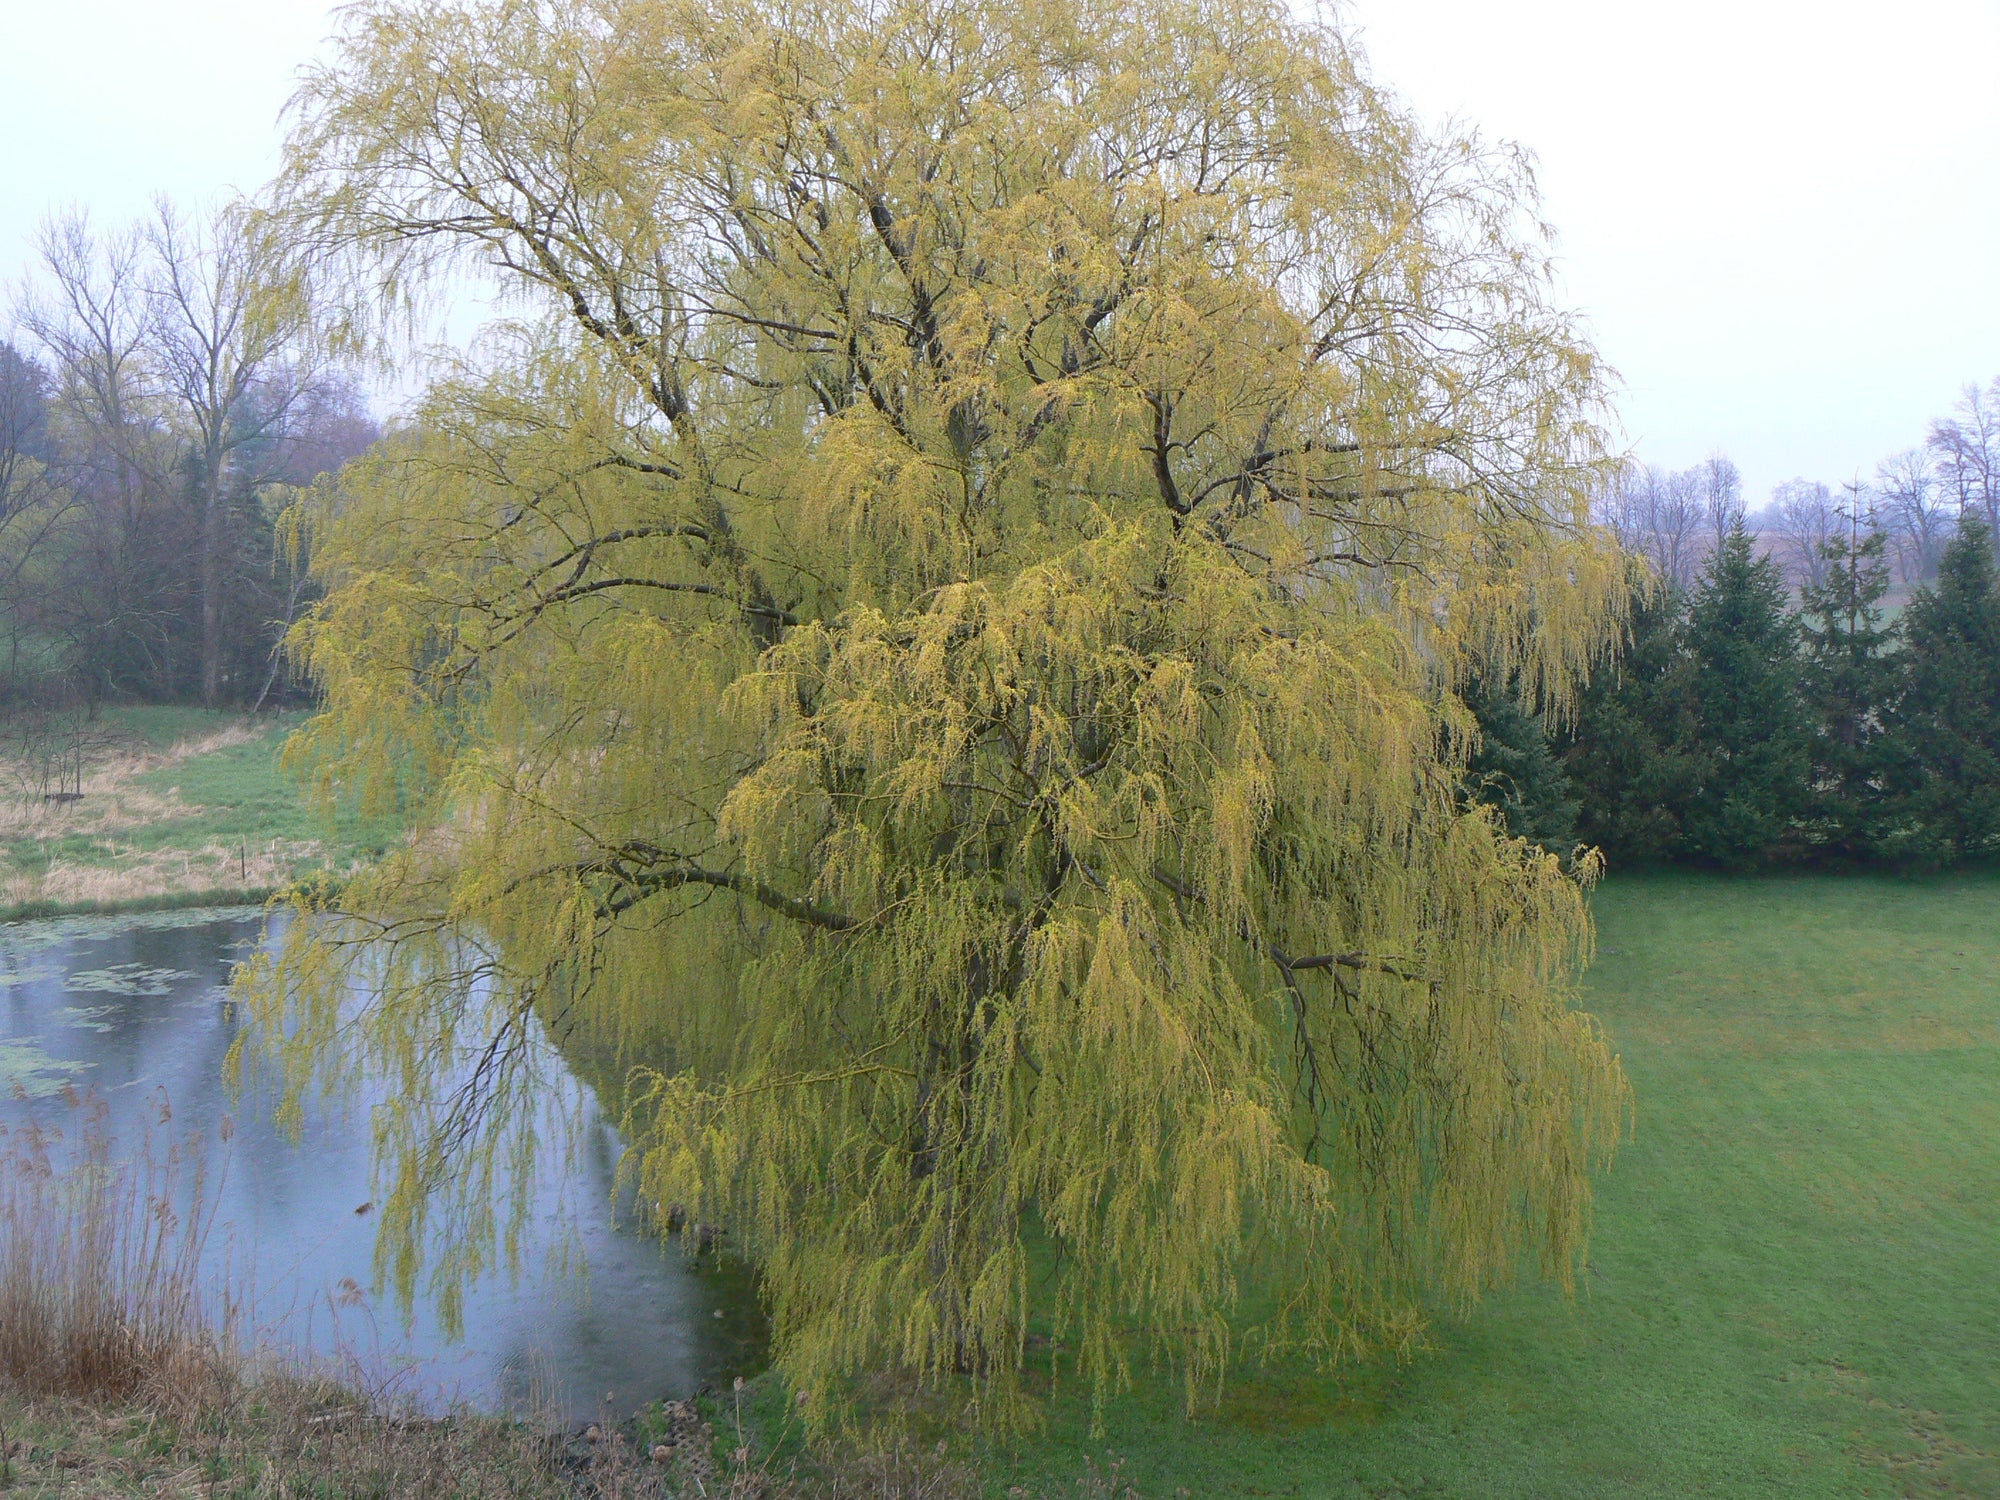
928	651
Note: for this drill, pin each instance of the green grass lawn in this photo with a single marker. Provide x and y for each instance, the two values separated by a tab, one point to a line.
161	726
242	794
1794	1286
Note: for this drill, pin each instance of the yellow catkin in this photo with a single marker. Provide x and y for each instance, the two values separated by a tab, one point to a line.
926	658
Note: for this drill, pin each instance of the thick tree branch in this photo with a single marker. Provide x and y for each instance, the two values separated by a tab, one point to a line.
644	871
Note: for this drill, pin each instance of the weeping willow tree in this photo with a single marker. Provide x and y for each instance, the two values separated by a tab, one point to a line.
930	645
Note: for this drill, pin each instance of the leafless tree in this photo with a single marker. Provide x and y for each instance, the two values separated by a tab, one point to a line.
1617	508
1720	486
1805	516
1966	449
182	402
33	501
88	313
1917	510
233	370
48	736
24	431
1658	514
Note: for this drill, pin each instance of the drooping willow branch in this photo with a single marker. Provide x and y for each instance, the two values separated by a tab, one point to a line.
1377	963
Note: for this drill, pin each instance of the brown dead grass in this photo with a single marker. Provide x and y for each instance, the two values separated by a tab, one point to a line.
118	872
290	1439
215	869
111	803
287	1438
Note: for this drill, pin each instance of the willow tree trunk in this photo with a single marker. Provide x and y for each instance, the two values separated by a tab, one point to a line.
211	579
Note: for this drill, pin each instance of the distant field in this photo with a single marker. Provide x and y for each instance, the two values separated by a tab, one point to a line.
1795	1282
177	804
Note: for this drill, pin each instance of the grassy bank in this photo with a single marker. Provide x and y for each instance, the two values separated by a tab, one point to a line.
281	1439
169	806
299	1440
1792	1288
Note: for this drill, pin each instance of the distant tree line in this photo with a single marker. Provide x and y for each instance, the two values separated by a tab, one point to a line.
158	411
1771	704
1675	519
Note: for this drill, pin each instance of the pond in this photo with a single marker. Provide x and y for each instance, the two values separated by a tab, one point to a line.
132	1008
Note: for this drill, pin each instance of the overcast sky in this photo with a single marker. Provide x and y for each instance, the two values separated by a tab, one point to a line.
1781	217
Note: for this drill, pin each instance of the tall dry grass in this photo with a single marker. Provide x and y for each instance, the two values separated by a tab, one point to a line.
217	868
102	1292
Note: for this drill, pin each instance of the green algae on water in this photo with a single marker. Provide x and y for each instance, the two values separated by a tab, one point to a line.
26	1070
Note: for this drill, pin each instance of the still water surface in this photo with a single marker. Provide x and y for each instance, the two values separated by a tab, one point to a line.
130	1006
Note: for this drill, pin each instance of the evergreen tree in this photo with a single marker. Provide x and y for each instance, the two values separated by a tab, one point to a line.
1946	739
1848	680
1743	650
1516	771
1629	756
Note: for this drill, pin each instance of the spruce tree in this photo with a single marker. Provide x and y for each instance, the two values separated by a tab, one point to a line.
1515	771
1849	682
1743	649
1946	740
1629	755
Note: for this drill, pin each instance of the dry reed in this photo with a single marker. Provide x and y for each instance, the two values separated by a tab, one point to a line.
121	1373
101	1286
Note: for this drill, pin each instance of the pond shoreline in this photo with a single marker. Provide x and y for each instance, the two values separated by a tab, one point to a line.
288	1432
112	1026
188	899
